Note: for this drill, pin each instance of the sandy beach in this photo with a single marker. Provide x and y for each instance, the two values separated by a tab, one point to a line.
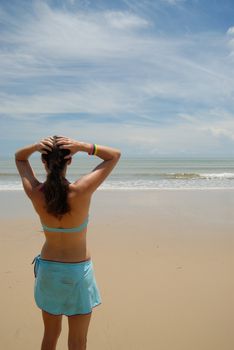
164	265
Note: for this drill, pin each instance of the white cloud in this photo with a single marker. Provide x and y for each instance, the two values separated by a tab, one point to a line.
123	20
173	2
230	35
216	131
94	99
230	31
64	35
217	122
194	136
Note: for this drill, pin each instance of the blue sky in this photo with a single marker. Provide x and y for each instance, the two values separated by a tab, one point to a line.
150	77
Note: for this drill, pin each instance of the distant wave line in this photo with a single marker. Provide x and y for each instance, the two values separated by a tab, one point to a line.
143	175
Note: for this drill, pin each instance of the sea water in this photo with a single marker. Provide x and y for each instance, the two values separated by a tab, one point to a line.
142	173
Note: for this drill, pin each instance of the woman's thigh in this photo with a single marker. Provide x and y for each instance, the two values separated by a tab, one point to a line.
52	324
78	327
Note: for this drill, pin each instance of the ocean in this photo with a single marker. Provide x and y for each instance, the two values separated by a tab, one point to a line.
143	173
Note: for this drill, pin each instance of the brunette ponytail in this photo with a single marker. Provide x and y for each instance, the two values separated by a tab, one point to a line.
56	186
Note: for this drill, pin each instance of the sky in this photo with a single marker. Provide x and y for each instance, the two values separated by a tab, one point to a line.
153	78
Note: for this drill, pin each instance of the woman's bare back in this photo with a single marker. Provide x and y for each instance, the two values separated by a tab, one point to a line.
63	246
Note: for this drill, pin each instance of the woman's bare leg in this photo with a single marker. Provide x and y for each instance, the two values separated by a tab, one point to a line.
78	330
52	330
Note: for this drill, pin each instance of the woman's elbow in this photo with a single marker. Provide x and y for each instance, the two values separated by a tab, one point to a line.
117	154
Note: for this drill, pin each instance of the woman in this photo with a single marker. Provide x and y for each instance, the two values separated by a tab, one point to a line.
65	282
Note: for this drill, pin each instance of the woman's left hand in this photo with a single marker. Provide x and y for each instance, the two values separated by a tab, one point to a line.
64	142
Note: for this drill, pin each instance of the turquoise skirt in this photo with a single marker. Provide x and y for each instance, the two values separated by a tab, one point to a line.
63	288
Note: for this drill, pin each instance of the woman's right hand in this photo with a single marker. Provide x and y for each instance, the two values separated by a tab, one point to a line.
66	143
45	145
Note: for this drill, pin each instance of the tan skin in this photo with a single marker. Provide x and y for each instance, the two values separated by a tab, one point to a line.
62	246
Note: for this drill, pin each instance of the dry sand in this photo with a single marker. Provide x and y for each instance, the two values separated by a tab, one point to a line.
163	262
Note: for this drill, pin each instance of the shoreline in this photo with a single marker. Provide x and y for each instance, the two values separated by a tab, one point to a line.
148	189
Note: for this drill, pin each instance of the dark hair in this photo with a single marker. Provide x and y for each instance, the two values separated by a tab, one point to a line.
56	186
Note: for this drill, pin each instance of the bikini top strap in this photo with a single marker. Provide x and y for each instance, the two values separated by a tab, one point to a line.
72	229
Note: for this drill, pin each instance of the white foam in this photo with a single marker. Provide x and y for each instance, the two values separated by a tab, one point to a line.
218	175
10	188
208	181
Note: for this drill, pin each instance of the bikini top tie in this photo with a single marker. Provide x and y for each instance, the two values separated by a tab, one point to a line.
68	230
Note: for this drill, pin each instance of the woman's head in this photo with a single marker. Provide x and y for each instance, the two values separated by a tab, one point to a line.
56	186
54	160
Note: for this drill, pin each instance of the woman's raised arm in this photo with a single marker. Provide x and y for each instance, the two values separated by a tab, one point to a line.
24	168
90	182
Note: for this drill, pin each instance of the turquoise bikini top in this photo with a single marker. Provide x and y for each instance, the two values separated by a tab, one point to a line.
73	229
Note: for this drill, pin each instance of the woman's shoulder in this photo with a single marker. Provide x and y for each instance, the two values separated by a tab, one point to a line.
38	191
78	193
76	187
